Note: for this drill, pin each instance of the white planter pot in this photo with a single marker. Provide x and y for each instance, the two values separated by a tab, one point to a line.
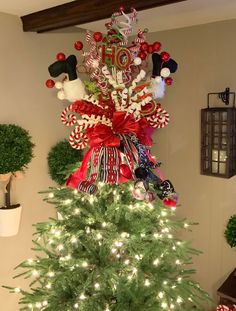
10	221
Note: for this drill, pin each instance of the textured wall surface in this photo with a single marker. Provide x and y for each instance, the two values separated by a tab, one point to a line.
24	58
206	57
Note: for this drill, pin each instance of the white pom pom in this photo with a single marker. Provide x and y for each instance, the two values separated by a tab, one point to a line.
158	79
137	61
61	95
58	85
165	72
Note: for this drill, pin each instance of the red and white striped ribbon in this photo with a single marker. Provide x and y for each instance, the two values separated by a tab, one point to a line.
68	119
78	139
159	119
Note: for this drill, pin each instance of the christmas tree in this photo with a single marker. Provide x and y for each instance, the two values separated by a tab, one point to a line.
115	248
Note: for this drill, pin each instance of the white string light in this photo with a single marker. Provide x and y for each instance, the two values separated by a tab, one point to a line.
35	273
156	262
82	297
17	290
161	295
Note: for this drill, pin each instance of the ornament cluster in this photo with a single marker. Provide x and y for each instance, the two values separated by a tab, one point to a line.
115	112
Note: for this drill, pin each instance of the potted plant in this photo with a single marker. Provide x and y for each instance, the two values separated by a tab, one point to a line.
62	160
16	151
230	231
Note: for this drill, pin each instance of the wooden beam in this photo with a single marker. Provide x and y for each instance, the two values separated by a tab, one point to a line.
83	11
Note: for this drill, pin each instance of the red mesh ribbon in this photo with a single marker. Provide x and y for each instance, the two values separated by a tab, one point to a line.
121	124
104	154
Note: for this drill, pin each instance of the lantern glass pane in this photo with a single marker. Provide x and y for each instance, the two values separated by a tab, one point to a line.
222	169
214	167
216	128
224	128
224	116
216	116
223	142
216	141
223	155
215	155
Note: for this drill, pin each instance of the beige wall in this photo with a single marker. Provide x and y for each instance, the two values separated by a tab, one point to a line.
24	100
206	58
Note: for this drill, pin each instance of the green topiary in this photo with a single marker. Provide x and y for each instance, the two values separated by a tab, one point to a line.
16	148
60	157
230	232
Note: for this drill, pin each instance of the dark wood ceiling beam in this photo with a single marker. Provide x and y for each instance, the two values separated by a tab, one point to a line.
81	12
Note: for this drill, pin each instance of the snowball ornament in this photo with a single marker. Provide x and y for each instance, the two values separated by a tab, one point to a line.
58	85
61	95
165	72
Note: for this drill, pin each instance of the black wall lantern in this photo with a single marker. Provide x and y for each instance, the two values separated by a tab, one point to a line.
218	137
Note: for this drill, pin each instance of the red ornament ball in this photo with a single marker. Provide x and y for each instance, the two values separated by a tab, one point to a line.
78	45
50	83
165	56
142	55
156	46
168	81
144	46
61	56
150	49
169	202
125	171
98	36
121	8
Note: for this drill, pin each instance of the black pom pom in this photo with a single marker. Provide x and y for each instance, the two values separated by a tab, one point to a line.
141	173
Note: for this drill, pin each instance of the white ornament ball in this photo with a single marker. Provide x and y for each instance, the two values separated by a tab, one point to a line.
158	79
61	95
137	61
165	72
58	85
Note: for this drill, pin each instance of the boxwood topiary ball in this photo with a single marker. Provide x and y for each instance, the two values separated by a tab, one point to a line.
62	155
230	232
16	148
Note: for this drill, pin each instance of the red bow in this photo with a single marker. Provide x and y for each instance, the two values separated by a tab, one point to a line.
121	124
